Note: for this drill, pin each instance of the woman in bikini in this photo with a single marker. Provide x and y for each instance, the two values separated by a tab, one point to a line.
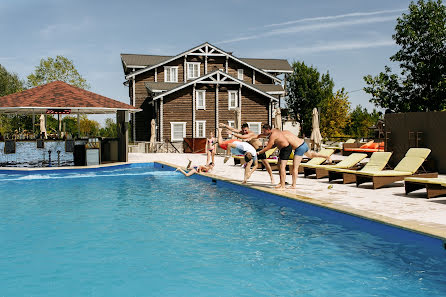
211	148
195	169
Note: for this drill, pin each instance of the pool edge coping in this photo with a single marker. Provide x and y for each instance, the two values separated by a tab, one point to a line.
412	226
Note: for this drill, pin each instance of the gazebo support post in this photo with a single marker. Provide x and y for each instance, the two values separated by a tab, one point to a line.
122	124
78	126
34	123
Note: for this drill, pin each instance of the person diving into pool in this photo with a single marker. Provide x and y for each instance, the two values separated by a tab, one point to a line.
252	138
195	169
238	147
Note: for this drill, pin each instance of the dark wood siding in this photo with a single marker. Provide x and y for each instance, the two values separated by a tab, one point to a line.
254	107
178	108
140	89
207	115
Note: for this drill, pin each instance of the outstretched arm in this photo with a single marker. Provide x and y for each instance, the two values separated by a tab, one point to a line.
268	146
229	128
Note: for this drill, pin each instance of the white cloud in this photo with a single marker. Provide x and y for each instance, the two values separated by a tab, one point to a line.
312	27
65	29
330	47
325	18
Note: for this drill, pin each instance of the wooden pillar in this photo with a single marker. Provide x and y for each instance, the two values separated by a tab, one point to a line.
184	69
216	107
161	120
240	98
226	65
34	122
156	74
270	112
78	125
253	76
206	64
193	111
122	121
134	115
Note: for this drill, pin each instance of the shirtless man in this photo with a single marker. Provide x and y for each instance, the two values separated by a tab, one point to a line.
276	138
240	148
300	148
252	138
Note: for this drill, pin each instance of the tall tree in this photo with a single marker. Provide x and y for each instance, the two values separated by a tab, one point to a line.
421	85
61	68
9	82
334	115
360	121
307	89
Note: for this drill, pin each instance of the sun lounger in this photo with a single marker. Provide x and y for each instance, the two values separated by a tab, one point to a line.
377	162
314	161
408	166
322	170
240	159
434	186
368	148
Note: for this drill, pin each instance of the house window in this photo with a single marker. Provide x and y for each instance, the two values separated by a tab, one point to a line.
177	131
255	127
200	97
240	74
171	73
200	129
231	124
193	70
232	99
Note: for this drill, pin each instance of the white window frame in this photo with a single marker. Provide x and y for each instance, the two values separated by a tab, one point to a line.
197	106
229	99
189	74
231	124
168	78
196	129
259	124
172	138
240	74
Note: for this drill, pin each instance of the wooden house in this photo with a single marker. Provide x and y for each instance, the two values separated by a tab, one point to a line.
190	93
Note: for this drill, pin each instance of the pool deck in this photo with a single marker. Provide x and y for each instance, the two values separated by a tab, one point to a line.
389	204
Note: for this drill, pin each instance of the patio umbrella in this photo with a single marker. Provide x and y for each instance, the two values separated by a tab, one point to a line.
152	134
278	119
237	119
43	125
316	137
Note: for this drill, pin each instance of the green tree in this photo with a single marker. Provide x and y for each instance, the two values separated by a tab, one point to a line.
61	68
307	89
110	129
88	127
335	114
421	85
360	121
11	83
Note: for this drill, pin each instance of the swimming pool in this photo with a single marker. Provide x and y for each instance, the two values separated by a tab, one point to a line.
142	231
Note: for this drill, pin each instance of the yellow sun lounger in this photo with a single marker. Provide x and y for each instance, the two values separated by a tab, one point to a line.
377	162
434	186
322	170
408	166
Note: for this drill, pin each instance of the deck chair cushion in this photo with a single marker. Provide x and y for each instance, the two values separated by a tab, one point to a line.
425	180
377	161
418	152
409	164
348	162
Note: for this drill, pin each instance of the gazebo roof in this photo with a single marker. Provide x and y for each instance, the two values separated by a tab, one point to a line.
60	95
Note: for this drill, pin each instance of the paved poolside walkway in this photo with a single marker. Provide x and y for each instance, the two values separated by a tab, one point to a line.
389	204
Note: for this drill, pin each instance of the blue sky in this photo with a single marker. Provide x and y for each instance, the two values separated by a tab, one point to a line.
348	38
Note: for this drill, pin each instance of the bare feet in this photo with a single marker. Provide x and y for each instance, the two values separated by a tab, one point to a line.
279	187
291	187
244	182
226	159
177	169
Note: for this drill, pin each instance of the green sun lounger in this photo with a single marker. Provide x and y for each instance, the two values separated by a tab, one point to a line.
434	186
377	162
408	166
322	170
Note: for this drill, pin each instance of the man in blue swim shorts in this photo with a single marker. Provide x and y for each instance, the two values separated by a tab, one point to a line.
300	149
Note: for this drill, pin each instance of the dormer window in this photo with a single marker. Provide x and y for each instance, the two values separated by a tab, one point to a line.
171	74
193	70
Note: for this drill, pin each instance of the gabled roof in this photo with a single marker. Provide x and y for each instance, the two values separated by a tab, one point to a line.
219	74
270	65
207	45
141	61
161	86
60	95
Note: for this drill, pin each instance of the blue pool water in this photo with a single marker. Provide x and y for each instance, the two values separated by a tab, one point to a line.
149	232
